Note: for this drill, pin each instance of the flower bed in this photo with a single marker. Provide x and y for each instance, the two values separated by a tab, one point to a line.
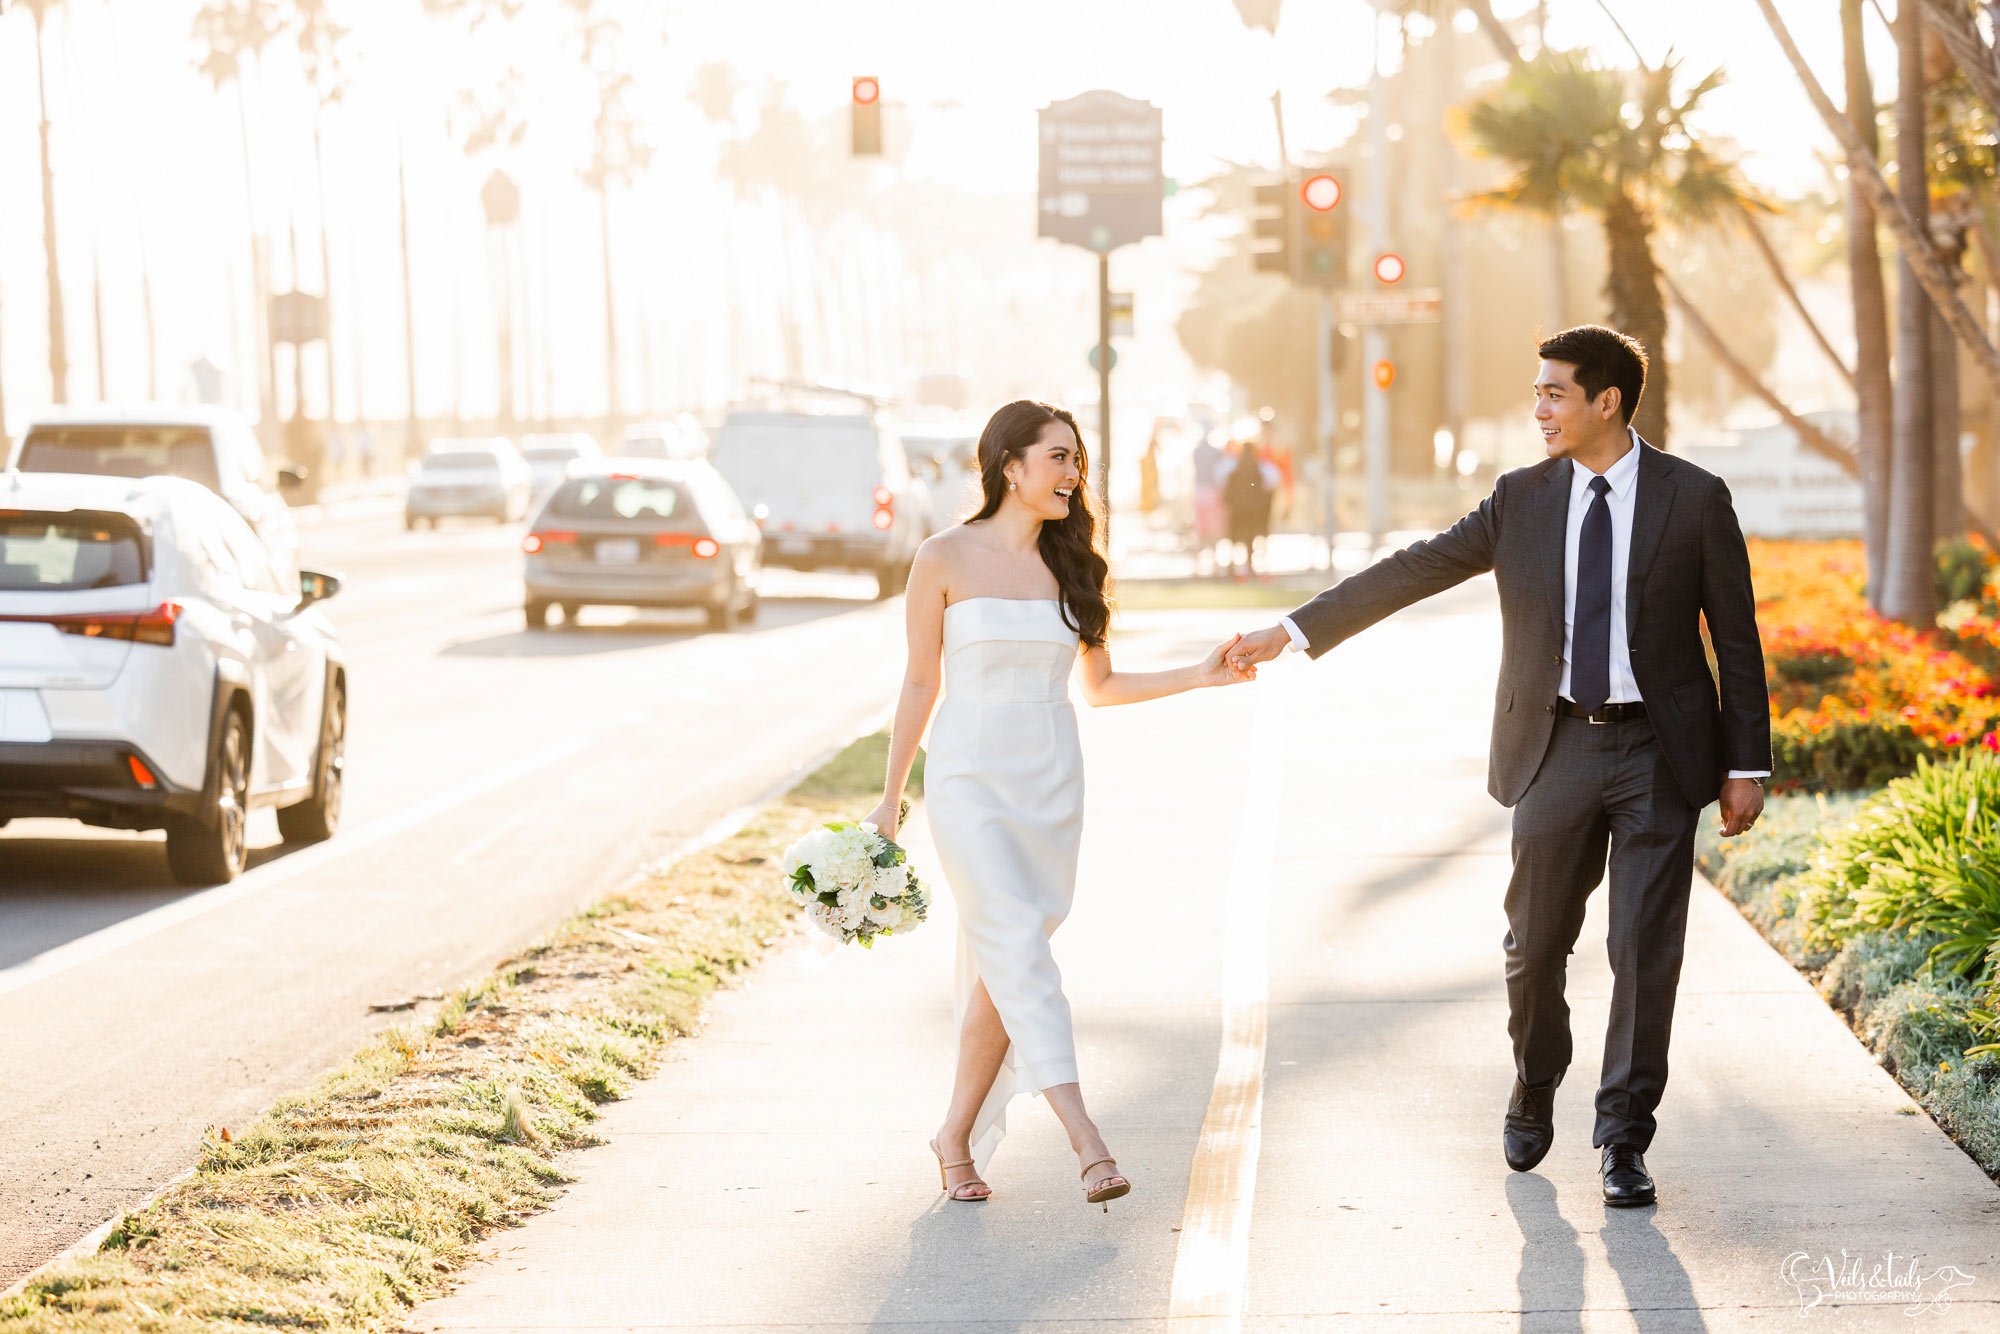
1857	700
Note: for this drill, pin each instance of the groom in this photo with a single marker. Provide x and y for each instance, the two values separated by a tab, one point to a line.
1607	734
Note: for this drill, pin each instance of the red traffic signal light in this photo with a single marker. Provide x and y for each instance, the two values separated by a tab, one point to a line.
1385	373
1320	192
867	117
867	91
1390	268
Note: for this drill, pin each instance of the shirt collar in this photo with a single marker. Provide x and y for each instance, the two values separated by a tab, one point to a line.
1621	474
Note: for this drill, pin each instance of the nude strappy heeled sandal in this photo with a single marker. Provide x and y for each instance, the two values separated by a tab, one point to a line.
951	1192
1108	1189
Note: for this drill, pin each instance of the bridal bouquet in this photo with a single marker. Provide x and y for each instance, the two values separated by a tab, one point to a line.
854	883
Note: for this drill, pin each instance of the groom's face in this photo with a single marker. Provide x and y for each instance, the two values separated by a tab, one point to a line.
1569	419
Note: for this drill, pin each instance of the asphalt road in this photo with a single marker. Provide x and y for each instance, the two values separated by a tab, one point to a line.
497	779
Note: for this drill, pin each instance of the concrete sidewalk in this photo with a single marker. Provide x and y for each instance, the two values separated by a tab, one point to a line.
1286	976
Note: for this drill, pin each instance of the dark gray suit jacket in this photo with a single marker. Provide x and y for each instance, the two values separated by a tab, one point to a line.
1688	561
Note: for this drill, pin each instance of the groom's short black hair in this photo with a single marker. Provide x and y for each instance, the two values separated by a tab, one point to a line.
1603	358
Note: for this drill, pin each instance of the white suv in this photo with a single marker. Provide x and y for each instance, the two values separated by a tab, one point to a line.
830	491
159	669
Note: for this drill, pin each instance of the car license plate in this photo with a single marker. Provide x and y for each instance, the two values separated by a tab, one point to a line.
794	546
618	551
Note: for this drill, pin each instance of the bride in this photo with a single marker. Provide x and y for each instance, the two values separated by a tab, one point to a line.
1006	602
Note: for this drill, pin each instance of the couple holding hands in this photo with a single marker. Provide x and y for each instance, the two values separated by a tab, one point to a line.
1609	737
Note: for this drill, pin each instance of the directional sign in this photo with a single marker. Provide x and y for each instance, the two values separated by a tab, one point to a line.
1424	305
1121	314
1101	182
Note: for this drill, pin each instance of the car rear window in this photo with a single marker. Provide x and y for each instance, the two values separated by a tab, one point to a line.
648	498
123	451
61	553
461	462
552	453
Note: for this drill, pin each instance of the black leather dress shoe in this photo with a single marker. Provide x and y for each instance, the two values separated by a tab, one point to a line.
1531	1124
1626	1181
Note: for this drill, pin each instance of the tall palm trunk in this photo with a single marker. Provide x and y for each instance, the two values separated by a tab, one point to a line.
58	338
325	261
1909	585
612	407
266	367
1633	289
1874	391
1947	418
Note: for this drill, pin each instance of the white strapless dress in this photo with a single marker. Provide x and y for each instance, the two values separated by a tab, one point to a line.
1003	787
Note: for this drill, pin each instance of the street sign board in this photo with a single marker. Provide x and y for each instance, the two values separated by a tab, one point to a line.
297	317
1101	179
1424	305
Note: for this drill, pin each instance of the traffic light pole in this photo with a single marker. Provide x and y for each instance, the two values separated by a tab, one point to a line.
1375	342
1104	390
1329	419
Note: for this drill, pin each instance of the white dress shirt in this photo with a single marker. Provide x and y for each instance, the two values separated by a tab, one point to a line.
1624	479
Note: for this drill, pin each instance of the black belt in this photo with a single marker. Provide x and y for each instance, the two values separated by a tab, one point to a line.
1606	713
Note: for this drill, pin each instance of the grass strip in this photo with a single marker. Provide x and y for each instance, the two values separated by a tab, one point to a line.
343	1207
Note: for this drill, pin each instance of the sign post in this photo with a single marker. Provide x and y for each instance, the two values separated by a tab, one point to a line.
1101	187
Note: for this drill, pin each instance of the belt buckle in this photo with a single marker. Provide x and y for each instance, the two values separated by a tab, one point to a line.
1596	721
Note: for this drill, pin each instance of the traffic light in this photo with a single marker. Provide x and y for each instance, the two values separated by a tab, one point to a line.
1390	268
1323	245
1272	227
867	117
1385	373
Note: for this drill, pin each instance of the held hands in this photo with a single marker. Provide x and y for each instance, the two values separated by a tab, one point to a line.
1258	646
1742	803
1222	667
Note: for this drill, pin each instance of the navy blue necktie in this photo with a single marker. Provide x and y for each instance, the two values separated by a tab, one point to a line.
1590	654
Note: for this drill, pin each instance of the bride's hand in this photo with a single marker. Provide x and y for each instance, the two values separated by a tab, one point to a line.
886	819
1216	671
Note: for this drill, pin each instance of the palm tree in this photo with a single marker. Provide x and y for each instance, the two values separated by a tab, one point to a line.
1909	586
233	33
1579	135
619	155
38	10
322	59
1874	390
1913	243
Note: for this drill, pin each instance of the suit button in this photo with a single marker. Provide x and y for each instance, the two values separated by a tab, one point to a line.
1548	708
1559	659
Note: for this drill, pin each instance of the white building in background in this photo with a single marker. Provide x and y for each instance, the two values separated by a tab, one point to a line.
1781	489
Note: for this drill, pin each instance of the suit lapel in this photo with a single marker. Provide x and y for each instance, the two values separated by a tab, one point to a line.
1649	523
1552	522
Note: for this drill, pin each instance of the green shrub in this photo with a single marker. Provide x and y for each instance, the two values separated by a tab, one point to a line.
1921	859
1844	754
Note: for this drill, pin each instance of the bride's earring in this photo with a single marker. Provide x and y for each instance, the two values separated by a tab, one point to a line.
1011	486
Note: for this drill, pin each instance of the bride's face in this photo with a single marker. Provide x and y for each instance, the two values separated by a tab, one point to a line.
1046	476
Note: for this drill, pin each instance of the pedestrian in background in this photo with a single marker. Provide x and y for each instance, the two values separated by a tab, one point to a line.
1210	518
1246	494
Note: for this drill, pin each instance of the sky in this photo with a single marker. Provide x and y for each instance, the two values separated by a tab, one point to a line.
149	164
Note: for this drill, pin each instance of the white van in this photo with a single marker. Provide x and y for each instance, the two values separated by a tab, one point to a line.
831	492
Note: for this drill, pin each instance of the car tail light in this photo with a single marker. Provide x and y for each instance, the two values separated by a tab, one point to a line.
885	519
533	543
884	497
707	548
140	773
146	627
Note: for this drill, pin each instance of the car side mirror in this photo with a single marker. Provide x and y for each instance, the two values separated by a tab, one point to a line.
316	587
291	477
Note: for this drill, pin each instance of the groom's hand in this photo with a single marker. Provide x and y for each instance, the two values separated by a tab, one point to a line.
1259	646
1742	803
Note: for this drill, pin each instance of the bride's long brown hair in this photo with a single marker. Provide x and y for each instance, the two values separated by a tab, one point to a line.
1069	546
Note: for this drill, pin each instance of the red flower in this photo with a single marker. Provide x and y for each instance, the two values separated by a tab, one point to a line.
1954	739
